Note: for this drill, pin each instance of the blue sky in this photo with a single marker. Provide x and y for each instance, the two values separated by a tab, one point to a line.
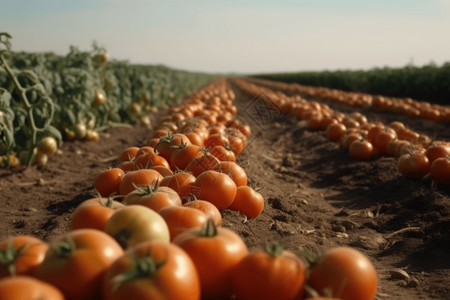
246	36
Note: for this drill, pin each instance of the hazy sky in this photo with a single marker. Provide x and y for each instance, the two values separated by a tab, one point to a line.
238	36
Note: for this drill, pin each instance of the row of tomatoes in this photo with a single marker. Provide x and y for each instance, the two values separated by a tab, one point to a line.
407	106
418	156
155	232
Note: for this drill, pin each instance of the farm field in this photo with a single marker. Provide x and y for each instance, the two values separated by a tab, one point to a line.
316	196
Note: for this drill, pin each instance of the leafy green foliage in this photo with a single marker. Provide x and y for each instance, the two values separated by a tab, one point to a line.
45	94
429	83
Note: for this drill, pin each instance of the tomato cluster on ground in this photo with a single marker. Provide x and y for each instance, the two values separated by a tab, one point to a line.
155	229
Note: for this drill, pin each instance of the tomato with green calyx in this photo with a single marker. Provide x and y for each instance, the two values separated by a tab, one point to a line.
205	245
207	207
153	196
275	273
134	224
152	270
94	213
346	272
77	261
182	218
236	172
20	255
27	287
141	177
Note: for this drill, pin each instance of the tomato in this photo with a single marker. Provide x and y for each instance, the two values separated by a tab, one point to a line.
81	256
382	140
248	202
94	213
208	208
205	245
166	144
271	274
134	224
223	154
201	164
154	197
164	171
152	270
128	154
196	138
440	170
127	166
100	97
20	255
414	164
361	149
148	160
144	150
217	188
141	177
335	131
108	182
346	272
436	151
237	143
28	288
179	182
182	156
236	172
47	145
182	218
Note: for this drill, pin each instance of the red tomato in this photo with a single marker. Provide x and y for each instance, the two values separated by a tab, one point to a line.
223	154
182	156
152	270
272	274
434	152
346	272
149	160
128	154
204	246
28	288
108	182
20	255
217	188
82	257
94	213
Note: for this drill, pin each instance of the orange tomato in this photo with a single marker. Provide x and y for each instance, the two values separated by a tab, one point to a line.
152	270
217	188
346	272
440	170
414	164
81	256
248	202
25	287
154	197
108	181
208	208
20	255
361	149
94	213
271	274
140	177
204	245
182	218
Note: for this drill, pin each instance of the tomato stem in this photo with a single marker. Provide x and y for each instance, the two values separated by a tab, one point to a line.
209	229
275	249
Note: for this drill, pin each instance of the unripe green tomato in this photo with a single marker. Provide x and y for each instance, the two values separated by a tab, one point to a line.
47	145
80	130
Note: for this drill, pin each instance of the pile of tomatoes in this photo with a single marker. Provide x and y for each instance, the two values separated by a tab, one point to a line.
406	106
154	231
418	156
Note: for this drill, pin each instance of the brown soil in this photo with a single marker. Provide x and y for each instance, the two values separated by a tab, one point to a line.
316	197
